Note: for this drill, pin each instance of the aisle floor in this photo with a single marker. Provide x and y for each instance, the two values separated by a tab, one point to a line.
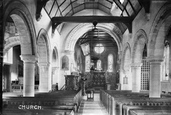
92	107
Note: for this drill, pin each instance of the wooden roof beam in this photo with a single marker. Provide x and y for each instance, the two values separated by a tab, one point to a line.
91	19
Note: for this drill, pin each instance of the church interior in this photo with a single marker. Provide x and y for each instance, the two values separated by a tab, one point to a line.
86	57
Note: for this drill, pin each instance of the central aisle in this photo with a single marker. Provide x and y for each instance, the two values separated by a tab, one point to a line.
92	107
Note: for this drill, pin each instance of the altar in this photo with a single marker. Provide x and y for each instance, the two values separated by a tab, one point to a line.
96	79
101	80
71	82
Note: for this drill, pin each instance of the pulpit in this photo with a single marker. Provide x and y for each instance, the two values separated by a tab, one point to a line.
71	82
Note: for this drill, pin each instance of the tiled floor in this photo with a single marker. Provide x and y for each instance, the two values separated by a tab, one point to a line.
92	107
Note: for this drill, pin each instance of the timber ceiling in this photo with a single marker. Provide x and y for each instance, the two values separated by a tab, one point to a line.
56	8
65	10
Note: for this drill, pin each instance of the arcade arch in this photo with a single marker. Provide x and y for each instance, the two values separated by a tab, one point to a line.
43	54
126	78
158	33
138	61
25	37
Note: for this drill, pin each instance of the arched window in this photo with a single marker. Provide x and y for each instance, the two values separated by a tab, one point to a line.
99	48
87	63
65	63
166	60
99	65
110	63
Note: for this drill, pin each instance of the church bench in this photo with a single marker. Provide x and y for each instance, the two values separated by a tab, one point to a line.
127	108
53	101
150	112
60	103
32	111
115	100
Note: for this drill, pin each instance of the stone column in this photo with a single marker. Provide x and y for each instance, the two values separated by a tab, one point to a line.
136	77
29	75
44	77
155	77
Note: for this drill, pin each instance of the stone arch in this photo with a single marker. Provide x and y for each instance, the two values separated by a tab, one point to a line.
43	47
11	42
24	24
19	14
158	31
126	58
80	29
55	66
125	73
43	54
139	44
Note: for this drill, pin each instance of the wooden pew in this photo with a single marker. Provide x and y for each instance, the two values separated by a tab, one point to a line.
128	108
119	103
150	112
60	101
37	112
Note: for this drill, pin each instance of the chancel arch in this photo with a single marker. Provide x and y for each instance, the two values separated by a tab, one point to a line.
25	37
82	28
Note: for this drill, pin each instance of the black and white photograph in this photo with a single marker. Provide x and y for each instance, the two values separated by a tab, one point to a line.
85	57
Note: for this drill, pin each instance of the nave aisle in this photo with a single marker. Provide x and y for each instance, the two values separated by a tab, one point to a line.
92	107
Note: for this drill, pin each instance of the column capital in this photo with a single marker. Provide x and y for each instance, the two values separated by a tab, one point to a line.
43	63
68	52
28	58
139	64
155	59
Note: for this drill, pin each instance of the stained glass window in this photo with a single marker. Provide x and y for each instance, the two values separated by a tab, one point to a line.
65	62
99	48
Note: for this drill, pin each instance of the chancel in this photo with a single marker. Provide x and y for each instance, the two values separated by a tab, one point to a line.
85	57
